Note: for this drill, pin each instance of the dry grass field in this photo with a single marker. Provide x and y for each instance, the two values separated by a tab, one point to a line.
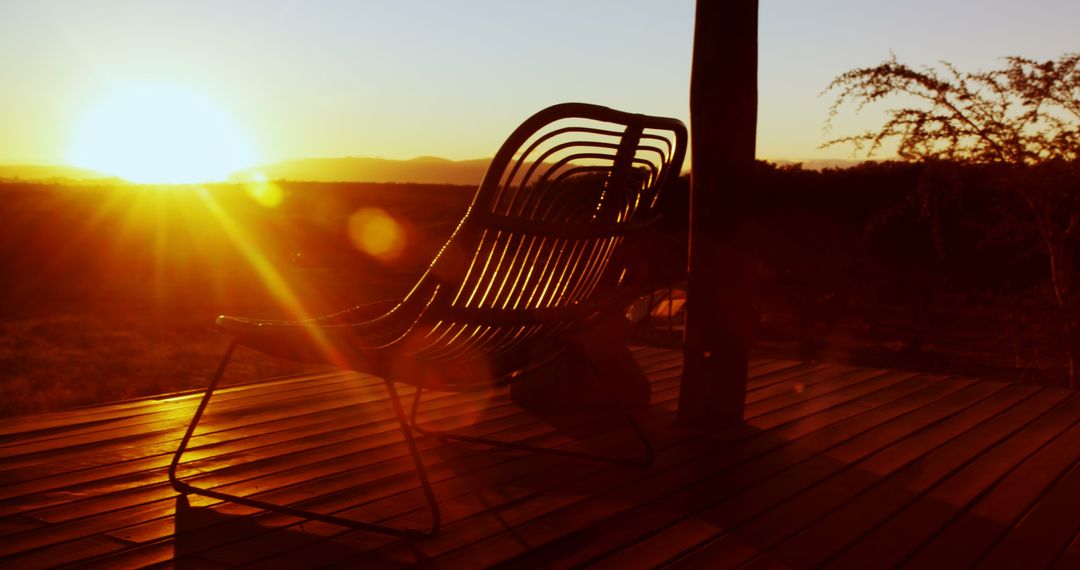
110	291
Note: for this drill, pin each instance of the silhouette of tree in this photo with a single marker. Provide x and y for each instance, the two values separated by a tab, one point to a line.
1022	121
1025	113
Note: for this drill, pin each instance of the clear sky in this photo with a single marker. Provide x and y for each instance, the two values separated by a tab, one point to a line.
400	79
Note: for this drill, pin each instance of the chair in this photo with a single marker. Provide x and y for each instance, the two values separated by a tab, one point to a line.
547	252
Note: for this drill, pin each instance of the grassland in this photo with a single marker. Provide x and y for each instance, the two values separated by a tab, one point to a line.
66	360
110	291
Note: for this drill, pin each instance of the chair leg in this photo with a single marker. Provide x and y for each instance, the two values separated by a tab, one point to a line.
181	486
645	460
421	471
185	488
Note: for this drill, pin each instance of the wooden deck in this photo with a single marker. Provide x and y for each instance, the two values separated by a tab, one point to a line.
838	466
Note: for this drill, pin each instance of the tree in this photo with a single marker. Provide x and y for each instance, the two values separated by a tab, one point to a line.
720	313
1022	120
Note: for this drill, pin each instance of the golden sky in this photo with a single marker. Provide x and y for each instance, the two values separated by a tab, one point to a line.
292	79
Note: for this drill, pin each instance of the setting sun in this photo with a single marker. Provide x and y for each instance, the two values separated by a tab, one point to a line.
159	134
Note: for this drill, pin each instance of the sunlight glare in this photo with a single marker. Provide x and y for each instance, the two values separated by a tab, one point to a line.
160	133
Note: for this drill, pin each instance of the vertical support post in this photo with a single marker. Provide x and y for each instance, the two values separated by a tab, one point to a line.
721	290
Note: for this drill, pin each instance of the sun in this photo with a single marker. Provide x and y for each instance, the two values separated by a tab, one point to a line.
159	133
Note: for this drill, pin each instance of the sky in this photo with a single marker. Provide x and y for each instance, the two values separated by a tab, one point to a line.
323	78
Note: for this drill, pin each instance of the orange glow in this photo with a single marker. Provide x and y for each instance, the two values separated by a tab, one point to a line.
376	233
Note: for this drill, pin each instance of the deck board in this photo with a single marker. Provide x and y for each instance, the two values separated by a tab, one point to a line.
836	465
786	460
978	529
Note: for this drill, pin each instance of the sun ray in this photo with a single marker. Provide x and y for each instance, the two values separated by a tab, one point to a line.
277	285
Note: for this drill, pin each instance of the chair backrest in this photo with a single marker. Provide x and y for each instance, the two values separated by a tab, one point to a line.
549	240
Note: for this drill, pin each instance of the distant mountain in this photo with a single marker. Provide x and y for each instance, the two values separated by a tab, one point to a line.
47	172
819	163
422	170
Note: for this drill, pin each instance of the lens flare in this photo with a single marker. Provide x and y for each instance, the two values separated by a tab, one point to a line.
377	233
264	192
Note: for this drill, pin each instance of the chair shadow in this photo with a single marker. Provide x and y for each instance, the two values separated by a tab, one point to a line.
603	431
201	529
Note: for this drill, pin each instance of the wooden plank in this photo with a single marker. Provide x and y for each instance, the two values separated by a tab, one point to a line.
790	471
66	553
1045	530
670	541
757	382
796	383
247	445
506	526
51	421
152	413
214	535
890	543
128	516
235	415
134	444
217	446
235	553
813	385
161	555
80	510
308	525
270	546
121	518
744	533
778	377
759	368
869	493
316	483
346	399
969	536
330	446
867	392
278	390
17	524
667	542
156	457
1070	558
809	436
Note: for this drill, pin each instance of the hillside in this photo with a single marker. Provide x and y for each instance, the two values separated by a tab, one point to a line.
422	170
47	172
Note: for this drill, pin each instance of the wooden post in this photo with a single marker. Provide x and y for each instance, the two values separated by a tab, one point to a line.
721	292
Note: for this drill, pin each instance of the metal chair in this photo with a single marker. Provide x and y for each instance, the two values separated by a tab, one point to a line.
546	250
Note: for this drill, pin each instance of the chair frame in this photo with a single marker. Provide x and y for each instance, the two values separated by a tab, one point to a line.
623	162
185	488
